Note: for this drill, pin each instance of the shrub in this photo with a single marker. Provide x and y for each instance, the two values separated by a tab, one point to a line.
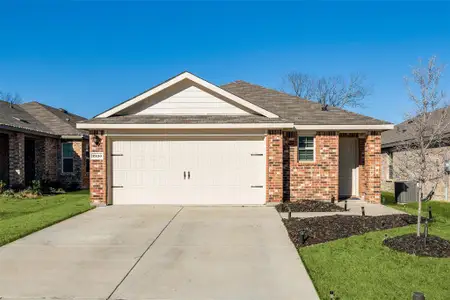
2	186
36	186
8	193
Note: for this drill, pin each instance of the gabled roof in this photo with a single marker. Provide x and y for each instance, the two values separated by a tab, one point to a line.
174	80
14	117
59	121
402	131
297	110
269	106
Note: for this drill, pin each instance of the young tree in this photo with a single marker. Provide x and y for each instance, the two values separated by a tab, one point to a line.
336	91
11	98
421	155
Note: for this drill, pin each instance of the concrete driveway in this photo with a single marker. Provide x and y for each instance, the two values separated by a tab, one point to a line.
164	252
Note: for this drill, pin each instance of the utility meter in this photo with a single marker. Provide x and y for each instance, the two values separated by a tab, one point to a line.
447	166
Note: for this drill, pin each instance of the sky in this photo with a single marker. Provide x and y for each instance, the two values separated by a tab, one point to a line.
87	56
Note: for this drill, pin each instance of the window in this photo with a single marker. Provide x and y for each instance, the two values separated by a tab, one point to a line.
67	157
306	148
86	151
390	166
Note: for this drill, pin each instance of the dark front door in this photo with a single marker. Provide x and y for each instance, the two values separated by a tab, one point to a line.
30	161
4	158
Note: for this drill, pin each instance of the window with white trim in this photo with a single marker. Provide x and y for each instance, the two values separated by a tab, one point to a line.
86	151
67	157
306	148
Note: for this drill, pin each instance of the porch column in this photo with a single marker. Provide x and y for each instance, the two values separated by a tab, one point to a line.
372	168
17	159
98	175
274	166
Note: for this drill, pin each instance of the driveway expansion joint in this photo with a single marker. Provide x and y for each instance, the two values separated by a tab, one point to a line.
142	255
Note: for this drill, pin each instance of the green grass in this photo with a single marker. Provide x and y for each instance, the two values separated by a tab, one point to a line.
20	217
360	267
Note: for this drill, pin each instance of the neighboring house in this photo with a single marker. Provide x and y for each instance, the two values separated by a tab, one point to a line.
187	141
41	142
392	140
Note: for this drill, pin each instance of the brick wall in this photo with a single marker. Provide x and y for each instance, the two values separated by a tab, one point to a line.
98	175
372	167
52	148
311	180
85	174
274	148
74	179
17	159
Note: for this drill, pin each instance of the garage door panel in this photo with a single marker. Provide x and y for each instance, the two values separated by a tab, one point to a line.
221	171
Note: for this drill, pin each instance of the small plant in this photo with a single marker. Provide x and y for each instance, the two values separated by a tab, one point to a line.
8	193
36	186
2	186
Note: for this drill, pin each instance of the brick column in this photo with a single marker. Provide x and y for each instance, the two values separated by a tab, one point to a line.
50	158
372	168
274	149
39	148
98	175
17	159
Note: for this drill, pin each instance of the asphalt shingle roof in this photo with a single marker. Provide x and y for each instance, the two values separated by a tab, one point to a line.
289	108
402	131
297	110
39	118
59	121
15	117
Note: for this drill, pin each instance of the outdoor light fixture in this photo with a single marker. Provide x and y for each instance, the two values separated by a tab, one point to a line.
333	199
289	213
302	237
363	212
97	140
430	215
418	296
345	205
331	295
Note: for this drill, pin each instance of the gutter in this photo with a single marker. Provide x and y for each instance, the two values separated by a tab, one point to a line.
187	126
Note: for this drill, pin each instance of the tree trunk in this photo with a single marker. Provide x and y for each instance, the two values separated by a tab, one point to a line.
419	210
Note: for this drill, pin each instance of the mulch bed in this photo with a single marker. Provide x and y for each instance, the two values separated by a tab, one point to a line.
308	206
412	244
323	229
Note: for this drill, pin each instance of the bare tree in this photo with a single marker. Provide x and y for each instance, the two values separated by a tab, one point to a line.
335	91
11	98
420	157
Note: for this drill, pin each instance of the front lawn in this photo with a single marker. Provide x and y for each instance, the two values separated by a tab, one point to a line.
20	217
360	267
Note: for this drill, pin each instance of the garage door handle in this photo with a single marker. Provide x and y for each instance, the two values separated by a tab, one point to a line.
256	186
184	175
117	186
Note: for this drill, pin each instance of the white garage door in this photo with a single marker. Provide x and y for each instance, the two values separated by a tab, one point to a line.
202	171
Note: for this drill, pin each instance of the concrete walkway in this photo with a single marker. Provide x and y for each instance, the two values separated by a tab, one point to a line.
164	252
353	209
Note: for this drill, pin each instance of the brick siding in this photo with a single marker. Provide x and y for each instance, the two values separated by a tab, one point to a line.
17	159
311	180
274	166
98	175
372	167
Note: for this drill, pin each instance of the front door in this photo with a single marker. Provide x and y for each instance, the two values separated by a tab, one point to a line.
348	167
30	161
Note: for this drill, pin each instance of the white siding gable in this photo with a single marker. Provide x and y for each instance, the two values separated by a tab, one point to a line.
192	101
